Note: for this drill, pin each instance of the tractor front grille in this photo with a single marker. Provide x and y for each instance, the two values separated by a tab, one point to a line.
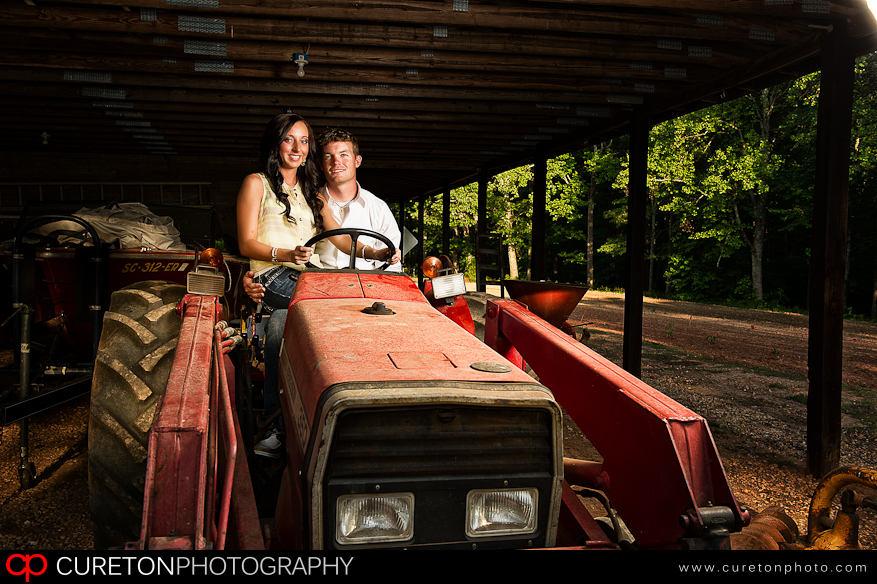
441	441
438	455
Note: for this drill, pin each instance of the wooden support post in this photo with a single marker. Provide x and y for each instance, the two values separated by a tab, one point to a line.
828	252
637	199
401	220
446	221
480	284
420	251
537	245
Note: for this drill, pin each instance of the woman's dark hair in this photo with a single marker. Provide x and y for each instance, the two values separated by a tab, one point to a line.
309	177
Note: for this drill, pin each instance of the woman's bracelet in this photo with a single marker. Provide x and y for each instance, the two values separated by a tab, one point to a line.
274	255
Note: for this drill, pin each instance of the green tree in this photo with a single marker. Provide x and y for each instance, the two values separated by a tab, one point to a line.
730	191
510	213
575	181
463	219
713	175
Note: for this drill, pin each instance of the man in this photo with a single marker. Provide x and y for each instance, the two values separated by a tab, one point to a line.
352	206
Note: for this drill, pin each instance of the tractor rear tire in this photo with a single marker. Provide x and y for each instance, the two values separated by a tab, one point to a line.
135	354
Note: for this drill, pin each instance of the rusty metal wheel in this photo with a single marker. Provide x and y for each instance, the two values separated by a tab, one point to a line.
134	358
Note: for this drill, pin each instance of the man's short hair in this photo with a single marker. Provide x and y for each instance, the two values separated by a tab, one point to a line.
339	135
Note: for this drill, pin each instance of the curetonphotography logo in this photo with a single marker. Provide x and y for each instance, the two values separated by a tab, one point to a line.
44	566
26	565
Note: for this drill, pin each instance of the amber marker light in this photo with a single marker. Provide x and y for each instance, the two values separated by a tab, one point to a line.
431	266
211	256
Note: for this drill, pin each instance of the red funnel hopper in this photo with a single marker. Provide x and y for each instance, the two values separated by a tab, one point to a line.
548	300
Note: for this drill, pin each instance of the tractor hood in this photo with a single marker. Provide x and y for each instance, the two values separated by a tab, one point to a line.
372	329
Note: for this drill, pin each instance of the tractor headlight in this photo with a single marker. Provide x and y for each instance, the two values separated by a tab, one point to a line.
501	512
374	518
450	285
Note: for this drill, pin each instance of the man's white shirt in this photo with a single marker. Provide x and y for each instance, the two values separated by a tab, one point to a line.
365	211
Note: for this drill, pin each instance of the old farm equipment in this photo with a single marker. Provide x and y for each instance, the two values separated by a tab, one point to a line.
406	431
59	293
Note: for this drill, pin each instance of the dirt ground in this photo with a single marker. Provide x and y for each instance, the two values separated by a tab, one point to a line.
744	371
773	340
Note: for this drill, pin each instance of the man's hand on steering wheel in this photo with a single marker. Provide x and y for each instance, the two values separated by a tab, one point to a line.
354	233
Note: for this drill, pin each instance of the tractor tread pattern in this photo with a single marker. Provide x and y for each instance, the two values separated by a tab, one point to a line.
149	362
134	383
135	356
141	331
138	452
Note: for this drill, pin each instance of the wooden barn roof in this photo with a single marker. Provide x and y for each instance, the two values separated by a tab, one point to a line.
433	89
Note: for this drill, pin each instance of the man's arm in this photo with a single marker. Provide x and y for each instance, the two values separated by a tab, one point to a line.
384	222
344	242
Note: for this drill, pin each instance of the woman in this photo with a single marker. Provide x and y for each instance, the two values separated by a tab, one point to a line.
279	209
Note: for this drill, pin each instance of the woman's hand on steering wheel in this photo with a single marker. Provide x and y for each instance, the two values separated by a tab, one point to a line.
302	254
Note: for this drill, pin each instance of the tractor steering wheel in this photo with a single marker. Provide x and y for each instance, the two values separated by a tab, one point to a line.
354	233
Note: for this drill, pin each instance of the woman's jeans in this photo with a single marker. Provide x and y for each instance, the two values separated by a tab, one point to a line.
271	349
279	283
278	290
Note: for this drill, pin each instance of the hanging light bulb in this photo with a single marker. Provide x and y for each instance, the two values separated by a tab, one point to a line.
300	59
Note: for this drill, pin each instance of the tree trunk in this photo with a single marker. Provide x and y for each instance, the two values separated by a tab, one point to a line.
874	298
757	247
654	210
590	245
759	201
668	285
874	294
513	263
513	253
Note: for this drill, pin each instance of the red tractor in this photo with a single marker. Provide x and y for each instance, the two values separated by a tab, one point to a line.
406	431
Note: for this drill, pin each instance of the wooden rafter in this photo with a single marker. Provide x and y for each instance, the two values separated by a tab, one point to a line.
447	85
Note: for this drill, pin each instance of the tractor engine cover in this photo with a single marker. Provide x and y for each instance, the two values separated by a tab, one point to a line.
405	430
